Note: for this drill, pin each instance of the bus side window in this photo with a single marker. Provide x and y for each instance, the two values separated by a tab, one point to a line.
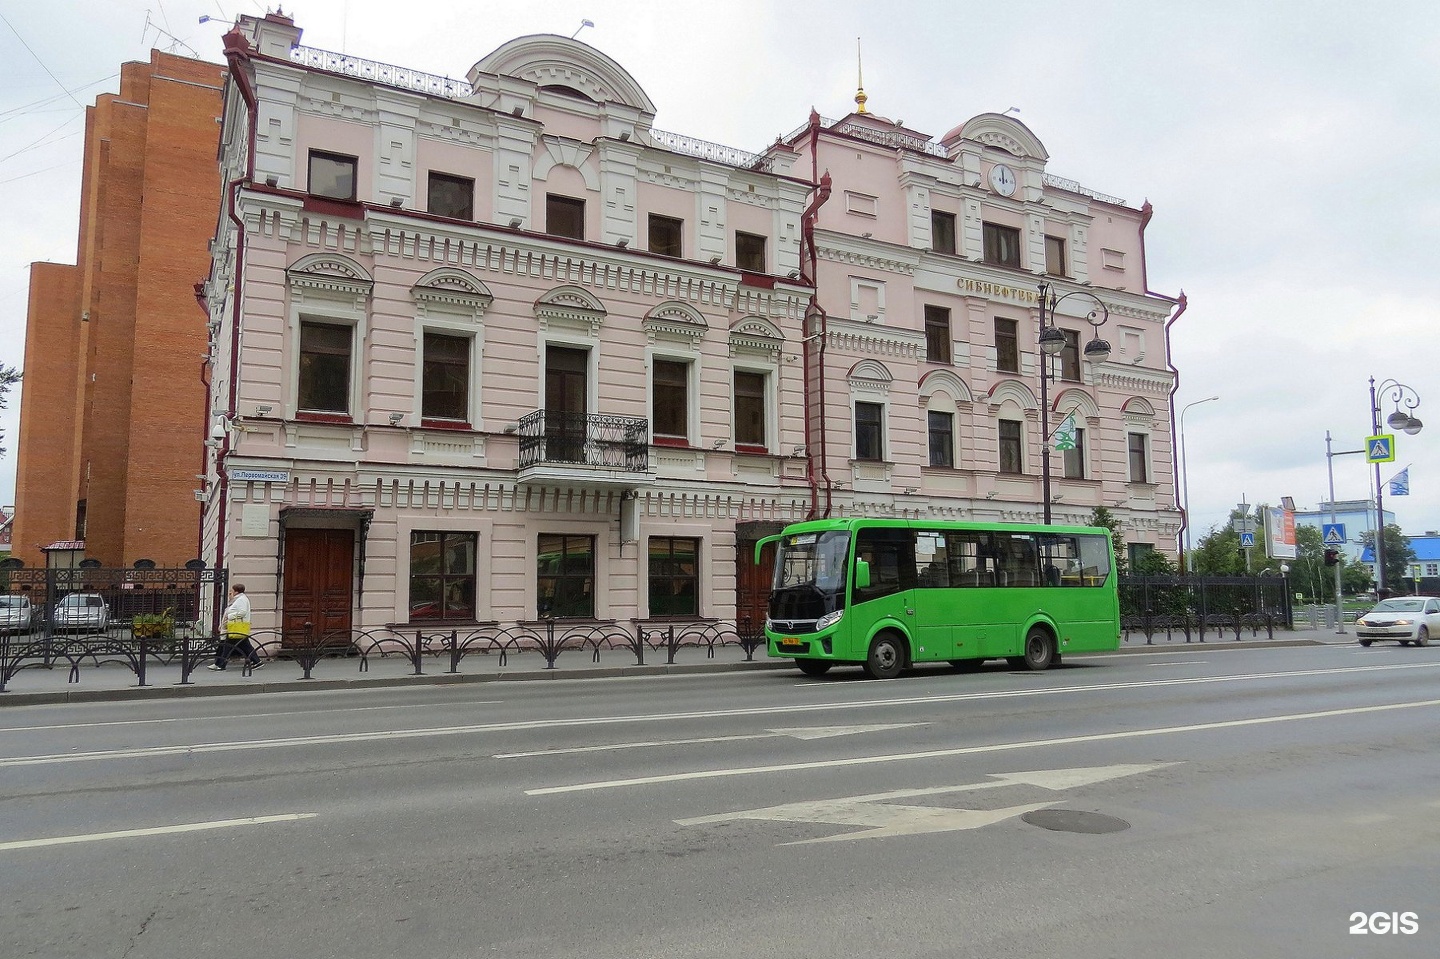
969	569
891	555
932	566
1019	559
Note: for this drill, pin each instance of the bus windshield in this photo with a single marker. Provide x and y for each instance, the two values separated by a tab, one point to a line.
810	575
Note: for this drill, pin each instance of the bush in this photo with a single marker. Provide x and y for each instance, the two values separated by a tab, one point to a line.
154	625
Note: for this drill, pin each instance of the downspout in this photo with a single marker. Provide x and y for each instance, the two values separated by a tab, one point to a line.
237	56
1146	212
203	301
816	314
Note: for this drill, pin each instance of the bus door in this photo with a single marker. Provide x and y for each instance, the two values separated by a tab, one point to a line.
933	603
890	595
981	621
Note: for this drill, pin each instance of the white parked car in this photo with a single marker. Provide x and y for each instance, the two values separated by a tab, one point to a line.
16	614
1410	619
82	611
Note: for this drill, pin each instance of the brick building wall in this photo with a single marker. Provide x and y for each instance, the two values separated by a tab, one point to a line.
150	197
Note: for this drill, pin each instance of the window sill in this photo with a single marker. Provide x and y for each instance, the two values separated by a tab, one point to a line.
671	441
752	450
457	426
336	419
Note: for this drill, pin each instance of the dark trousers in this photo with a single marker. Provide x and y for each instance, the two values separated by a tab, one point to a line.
233	643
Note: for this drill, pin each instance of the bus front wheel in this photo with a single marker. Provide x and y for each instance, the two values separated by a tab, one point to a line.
887	657
1039	651
813	667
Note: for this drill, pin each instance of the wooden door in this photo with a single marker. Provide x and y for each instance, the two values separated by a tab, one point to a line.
566	389
752	586
319	581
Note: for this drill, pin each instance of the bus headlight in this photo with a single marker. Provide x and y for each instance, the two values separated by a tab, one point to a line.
829	619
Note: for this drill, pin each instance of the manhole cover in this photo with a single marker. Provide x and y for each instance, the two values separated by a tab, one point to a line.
1074	820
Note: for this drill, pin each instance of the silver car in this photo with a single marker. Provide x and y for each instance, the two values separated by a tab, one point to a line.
16	614
1409	619
79	611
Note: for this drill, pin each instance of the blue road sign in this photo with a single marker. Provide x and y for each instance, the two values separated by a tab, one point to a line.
1380	448
1247	540
1334	533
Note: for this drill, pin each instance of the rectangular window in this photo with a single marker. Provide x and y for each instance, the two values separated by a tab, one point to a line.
674	576
1139	460
869	431
1055	256
1002	245
750	410
442	576
452	196
937	334
665	235
942	439
942	232
565	576
1010	440
1007	346
1432	569
1070	357
324	368
671	389
564	216
332	175
1075	458
750	252
445	378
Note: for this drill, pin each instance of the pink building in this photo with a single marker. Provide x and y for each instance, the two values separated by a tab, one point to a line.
500	350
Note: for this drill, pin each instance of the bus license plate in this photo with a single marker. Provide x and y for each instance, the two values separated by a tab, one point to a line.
790	641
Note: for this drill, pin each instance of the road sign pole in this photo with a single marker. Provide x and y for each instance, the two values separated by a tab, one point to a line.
1339	602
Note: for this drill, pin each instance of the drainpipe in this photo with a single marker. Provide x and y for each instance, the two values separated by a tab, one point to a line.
814	316
1146	212
237	56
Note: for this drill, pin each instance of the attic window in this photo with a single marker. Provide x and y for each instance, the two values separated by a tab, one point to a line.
565	91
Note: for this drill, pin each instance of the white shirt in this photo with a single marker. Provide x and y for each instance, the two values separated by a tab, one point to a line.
238	611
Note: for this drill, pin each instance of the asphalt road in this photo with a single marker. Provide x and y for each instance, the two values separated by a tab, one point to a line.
1184	804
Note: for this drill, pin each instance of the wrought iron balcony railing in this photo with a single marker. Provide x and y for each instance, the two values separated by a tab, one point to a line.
584	439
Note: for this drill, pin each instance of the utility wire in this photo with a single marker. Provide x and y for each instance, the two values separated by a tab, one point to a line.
39	61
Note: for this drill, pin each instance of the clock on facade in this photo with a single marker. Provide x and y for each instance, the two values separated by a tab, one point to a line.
1002	178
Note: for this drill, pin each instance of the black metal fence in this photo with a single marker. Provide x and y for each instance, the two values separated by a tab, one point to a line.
1195	605
438	650
610	442
179	597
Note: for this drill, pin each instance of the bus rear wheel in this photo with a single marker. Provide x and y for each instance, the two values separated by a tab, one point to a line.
887	657
813	667
1039	651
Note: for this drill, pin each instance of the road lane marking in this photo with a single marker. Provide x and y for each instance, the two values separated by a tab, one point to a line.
811	732
970	750
155	831
145	752
1182	662
214	719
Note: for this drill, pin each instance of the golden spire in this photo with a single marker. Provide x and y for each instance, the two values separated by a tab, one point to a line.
860	96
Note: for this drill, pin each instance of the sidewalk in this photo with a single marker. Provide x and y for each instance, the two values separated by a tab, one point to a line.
36	686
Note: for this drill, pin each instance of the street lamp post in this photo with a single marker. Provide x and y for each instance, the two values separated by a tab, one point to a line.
1400	395
1052	341
1185	483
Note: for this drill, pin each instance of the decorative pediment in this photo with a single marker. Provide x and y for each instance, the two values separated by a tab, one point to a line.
572	307
944	381
870	376
1078	402
1013	391
1138	412
555	61
454	291
330	273
675	320
1001	132
756	335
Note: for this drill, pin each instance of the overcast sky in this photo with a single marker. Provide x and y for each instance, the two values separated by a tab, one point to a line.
1290	149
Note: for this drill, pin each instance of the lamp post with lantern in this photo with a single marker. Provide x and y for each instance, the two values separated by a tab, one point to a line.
1399	395
1052	341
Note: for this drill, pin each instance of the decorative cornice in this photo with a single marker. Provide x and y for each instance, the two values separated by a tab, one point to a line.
756	335
1133	379
866	260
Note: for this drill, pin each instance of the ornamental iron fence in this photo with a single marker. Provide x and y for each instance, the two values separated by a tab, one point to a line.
1193	605
584	439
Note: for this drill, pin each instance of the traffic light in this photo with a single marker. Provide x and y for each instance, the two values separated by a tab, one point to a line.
1332	557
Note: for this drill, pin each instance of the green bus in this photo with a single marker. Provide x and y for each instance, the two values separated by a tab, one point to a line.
890	593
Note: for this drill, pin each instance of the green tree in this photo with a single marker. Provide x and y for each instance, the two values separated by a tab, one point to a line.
9	376
1101	516
1398	556
1355	577
1308	572
1152	562
1218	553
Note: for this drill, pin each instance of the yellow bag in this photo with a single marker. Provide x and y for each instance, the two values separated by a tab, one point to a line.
237	629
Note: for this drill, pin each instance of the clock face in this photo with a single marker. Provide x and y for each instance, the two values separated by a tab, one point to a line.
1002	178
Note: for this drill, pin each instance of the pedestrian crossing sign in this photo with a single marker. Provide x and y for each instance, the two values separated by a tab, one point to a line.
1334	534
1380	449
1247	540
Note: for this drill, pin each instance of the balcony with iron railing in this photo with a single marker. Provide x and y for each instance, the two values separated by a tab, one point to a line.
591	449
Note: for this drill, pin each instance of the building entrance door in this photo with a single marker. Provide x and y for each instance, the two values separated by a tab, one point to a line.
752	586
566	390
319	584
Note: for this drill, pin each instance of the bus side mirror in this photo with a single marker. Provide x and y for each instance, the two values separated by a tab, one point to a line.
862	574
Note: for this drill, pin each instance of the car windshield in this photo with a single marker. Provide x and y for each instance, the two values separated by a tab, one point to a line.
1399	606
12	601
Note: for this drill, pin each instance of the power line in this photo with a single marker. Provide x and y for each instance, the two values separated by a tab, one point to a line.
39	61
